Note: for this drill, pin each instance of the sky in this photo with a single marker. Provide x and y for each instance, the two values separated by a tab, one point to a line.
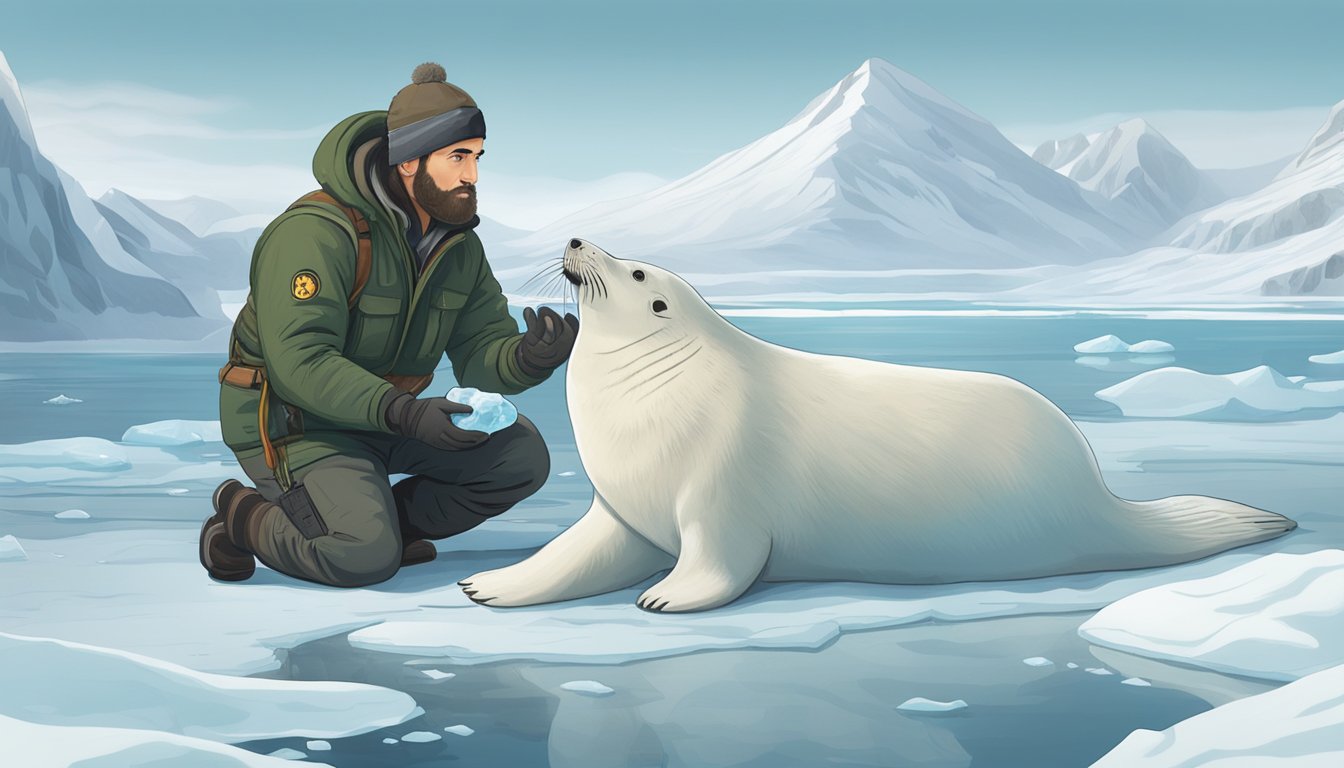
596	98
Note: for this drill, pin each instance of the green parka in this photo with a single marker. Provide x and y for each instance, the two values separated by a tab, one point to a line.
325	361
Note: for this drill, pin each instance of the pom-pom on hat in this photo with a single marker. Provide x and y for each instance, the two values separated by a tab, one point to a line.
429	114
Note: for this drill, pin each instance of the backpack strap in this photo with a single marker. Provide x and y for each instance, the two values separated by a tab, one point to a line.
363	239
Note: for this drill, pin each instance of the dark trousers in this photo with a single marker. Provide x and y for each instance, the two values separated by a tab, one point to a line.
448	492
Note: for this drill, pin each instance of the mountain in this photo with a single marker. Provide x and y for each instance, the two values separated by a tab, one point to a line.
880	172
62	273
1286	238
198	214
1148	182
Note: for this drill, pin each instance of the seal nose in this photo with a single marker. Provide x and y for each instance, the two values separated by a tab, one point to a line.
576	243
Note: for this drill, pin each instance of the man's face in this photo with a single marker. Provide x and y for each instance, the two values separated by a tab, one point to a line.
445	181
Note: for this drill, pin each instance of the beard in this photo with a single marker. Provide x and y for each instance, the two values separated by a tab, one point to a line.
444	205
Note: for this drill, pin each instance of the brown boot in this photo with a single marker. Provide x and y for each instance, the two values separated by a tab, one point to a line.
417	551
221	558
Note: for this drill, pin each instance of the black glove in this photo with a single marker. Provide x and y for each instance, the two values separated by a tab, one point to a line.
547	342
429	420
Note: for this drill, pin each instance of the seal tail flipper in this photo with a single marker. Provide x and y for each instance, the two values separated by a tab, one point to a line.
1196	526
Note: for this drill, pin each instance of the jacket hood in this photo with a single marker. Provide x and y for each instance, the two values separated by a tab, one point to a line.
334	161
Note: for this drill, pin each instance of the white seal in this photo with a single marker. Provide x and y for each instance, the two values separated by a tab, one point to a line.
730	459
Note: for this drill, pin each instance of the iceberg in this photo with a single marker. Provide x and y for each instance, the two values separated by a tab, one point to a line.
173	432
1329	358
460	730
1111	344
490	413
1300	724
59	683
421	737
1279	617
1181	392
11	550
62	400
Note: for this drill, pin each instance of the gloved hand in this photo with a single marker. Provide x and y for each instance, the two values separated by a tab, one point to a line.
547	342
429	420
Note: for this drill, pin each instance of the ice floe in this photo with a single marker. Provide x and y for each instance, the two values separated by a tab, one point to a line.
421	737
72	514
59	683
173	432
1278	617
32	745
1181	392
921	704
460	730
1300	725
1329	358
285	753
319	745
587	687
1038	661
1111	344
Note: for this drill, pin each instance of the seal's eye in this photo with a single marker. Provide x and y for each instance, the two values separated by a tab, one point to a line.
638	274
660	306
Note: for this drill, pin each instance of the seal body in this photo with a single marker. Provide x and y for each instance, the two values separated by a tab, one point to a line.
731	459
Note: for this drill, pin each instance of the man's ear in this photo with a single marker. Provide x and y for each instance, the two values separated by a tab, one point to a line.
409	167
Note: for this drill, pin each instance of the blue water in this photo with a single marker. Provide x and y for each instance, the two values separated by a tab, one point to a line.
833	706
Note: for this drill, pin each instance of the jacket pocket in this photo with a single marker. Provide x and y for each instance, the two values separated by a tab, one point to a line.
373	333
238	421
444	307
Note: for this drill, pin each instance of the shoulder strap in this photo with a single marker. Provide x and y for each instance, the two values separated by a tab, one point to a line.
363	240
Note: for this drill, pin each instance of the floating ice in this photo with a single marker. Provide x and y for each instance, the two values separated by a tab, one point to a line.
1071	665
91	453
319	745
178	491
173	432
1139	681
1110	344
1038	661
460	730
54	682
421	737
62	400
391	741
285	753
490	412
32	745
921	704
434	674
11	550
1279	617
1300	724
588	687
1329	358
1177	392
1099	671
72	514
566	474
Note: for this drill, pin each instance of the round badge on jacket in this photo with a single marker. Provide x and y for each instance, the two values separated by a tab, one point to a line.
304	286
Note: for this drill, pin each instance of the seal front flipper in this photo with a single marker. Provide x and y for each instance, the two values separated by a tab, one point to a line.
597	554
720	559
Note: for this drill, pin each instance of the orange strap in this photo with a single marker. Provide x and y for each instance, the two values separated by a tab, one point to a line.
262	411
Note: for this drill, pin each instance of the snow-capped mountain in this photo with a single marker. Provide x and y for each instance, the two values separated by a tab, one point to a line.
196	213
200	266
1284	239
62	274
1149	182
879	172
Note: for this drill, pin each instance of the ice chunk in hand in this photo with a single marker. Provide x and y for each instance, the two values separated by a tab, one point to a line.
490	411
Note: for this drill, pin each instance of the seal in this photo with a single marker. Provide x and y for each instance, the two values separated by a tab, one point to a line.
730	459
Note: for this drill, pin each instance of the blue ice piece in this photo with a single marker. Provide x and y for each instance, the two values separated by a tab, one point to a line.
490	411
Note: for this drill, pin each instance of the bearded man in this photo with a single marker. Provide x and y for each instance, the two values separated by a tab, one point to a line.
356	293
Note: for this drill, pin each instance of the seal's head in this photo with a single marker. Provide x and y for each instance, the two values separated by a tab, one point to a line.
630	298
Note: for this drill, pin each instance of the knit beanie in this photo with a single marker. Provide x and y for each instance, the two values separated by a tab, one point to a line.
430	114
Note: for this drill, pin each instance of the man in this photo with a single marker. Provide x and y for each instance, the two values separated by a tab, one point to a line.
355	296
